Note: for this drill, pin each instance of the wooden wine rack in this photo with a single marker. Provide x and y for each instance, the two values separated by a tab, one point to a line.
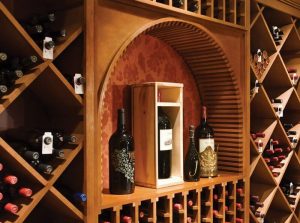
229	12
44	99
275	82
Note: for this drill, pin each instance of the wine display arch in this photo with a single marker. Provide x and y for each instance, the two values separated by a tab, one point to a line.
213	75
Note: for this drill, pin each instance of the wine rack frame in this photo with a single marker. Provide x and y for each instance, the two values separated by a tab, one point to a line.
39	85
274	83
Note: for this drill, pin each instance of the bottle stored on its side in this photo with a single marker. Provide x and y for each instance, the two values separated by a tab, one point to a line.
41	167
77	197
177	3
165	143
191	162
60	139
193	5
206	145
42	19
24	151
34	138
6	206
121	159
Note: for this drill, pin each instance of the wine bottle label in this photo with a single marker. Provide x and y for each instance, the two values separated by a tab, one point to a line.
205	143
47	148
208	158
123	162
47	53
78	87
165	139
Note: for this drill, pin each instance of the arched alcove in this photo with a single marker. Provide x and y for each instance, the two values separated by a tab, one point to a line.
213	78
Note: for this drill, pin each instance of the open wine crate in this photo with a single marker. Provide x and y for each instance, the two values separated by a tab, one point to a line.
145	117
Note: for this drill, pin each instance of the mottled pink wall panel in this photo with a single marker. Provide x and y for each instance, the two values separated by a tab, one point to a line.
147	59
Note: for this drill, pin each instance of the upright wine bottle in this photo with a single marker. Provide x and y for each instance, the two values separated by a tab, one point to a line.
206	145
191	162
164	144
121	159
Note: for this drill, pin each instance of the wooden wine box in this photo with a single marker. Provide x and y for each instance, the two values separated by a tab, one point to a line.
145	131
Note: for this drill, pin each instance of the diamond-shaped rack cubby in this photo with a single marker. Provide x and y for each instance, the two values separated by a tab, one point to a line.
279	210
278	161
261	39
70	189
292	110
46	110
55	208
278	83
281	20
68	16
27	177
262	120
291	177
72	55
291	44
22	43
262	185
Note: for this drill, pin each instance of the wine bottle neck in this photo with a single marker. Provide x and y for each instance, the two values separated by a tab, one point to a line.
204	115
121	119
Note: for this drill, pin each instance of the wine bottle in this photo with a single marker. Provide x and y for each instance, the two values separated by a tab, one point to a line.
49	45
34	138
121	159
144	216
42	19
239	220
165	144
239	206
74	196
57	36
5	205
14	191
60	139
193	5
260	135
34	30
3	57
24	151
191	162
206	145
177	3
177	206
126	219
24	64
41	167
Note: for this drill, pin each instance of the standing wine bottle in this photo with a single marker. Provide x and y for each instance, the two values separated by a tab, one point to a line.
121	159
164	144
191	162
206	145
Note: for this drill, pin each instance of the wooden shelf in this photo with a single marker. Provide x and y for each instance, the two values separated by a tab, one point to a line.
108	200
